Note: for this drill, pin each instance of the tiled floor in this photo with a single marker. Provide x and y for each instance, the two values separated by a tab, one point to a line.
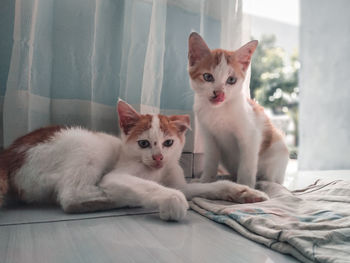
35	235
45	234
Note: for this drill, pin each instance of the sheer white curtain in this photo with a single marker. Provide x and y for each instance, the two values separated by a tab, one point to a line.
72	59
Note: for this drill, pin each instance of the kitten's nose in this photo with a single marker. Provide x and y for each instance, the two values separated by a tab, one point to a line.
157	157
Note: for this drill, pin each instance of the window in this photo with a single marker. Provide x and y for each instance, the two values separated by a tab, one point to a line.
275	66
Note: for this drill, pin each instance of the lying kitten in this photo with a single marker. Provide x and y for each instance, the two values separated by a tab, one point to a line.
87	171
236	130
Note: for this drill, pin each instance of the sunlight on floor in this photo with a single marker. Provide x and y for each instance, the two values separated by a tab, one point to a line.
291	173
296	179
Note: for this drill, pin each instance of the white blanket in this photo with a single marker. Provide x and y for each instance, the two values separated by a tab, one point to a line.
312	224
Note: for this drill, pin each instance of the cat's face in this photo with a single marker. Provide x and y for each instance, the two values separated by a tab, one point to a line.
217	75
153	140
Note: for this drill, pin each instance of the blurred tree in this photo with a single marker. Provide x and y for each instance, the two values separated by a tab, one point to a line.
274	79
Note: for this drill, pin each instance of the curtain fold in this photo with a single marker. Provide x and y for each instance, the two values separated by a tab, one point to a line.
72	59
153	69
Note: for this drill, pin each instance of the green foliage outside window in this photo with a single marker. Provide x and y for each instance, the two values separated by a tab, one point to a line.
274	79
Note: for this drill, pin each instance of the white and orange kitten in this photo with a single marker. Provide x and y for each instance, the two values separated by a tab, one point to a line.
86	171
237	133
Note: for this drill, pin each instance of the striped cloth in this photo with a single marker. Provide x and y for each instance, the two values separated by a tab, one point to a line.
312	224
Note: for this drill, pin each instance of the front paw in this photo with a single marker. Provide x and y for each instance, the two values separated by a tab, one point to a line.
250	195
173	206
233	192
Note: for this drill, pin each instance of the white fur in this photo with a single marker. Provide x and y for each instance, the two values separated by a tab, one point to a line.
86	171
233	132
67	167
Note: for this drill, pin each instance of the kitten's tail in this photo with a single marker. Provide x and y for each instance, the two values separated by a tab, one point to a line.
4	185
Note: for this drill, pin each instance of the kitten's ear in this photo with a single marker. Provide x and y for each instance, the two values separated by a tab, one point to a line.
244	54
127	116
197	48
182	122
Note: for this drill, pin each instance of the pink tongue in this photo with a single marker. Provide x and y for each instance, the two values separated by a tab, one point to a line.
219	97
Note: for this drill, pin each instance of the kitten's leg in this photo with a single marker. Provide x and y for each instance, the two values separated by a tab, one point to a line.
248	164
222	190
273	163
211	159
77	190
84	199
130	191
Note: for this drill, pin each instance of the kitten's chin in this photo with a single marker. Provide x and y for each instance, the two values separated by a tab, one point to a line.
216	103
155	165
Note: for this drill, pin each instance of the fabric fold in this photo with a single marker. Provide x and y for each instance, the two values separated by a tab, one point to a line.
310	224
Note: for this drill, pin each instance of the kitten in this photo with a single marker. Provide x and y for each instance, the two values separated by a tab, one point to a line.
86	171
237	133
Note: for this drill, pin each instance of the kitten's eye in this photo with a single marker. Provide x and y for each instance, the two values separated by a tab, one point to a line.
168	143
208	77
231	80
143	143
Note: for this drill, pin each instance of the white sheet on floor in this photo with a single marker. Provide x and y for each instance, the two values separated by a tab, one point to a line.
312	224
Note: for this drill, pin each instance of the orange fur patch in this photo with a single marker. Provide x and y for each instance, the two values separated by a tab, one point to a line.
12	158
271	134
142	125
166	126
3	185
171	125
209	62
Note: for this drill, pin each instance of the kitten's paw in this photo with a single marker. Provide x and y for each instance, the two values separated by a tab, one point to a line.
250	195
173	207
233	192
90	205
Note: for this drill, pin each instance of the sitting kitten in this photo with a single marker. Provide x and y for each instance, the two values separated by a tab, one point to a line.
236	130
87	171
